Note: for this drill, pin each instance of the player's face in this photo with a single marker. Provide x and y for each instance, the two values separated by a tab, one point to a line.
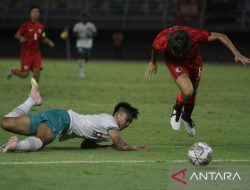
123	120
34	14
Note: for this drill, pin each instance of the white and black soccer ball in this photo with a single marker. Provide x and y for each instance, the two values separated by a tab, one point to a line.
200	154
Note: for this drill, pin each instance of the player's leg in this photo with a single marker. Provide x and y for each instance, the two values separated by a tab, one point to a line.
42	129
179	74
19	125
36	74
33	100
43	137
17	72
81	61
37	66
45	134
195	76
26	61
186	91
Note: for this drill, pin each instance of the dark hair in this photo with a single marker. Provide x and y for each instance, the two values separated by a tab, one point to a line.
35	7
179	42
127	108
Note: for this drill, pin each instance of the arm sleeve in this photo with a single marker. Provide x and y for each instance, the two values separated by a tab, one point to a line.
160	42
201	35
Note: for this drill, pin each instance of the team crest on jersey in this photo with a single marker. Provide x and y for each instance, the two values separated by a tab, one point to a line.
26	67
178	69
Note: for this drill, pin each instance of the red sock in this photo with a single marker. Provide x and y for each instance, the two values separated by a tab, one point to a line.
180	99
191	100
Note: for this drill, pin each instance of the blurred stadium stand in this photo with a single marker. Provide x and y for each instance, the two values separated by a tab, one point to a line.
132	17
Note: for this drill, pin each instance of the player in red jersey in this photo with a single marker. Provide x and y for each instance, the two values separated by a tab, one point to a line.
180	46
29	34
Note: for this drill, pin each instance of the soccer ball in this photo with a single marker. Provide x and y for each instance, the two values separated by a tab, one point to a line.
200	154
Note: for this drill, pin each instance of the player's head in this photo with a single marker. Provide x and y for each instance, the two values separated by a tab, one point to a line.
179	42
34	12
84	16
124	114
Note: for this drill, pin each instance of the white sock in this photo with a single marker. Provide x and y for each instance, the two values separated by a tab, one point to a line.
30	144
81	63
22	109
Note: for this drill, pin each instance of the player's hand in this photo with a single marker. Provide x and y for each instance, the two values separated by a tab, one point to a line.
22	39
51	44
151	69
143	148
240	58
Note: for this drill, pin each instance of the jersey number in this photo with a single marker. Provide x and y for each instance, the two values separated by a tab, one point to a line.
35	36
97	134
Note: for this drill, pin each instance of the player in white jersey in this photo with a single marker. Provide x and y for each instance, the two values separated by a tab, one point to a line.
84	31
44	127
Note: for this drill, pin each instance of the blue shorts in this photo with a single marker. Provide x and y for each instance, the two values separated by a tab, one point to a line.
57	120
83	51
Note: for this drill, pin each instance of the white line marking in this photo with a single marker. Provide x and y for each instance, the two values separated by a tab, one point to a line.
107	161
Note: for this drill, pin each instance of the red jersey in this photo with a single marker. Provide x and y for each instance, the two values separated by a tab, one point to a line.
32	32
197	35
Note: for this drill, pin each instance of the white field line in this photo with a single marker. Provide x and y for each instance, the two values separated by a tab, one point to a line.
106	161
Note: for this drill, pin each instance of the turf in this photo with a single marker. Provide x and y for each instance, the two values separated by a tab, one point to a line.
221	116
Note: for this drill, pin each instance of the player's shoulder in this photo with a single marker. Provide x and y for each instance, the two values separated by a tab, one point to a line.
109	121
107	116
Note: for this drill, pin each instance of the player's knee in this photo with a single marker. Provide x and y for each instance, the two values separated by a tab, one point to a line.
5	123
188	93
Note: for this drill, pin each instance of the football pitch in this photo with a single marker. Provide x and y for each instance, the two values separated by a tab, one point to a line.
221	116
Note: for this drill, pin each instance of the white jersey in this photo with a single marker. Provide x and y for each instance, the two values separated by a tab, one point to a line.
93	127
83	30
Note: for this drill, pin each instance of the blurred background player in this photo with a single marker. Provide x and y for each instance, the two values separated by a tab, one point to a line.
180	46
45	127
84	31
29	34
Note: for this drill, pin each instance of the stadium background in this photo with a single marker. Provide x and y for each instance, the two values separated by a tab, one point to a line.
221	114
138	20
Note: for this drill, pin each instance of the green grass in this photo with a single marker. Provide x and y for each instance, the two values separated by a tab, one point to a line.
221	116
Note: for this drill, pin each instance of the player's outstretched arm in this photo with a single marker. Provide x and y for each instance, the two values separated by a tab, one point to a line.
152	67
120	145
48	41
227	42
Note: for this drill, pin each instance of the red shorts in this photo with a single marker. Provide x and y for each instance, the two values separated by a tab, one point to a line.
192	70
31	61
